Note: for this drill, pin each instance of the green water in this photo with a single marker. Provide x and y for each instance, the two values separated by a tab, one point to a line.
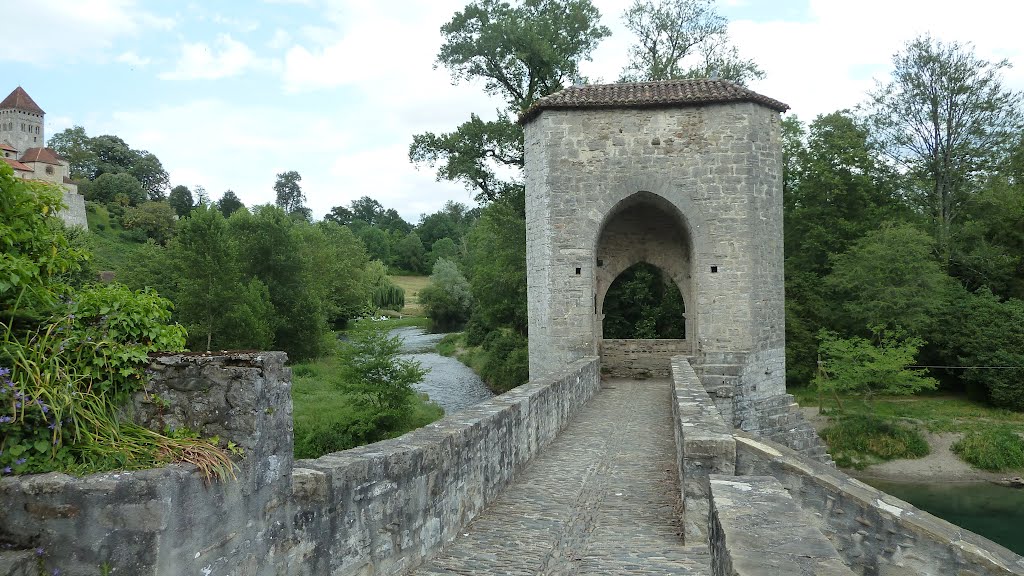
995	512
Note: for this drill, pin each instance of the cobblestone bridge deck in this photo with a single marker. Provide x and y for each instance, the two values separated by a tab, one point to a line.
603	498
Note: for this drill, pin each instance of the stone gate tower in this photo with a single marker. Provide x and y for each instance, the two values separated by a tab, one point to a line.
685	175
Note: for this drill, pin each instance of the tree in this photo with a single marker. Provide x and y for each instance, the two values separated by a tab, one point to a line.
497	265
682	39
218	307
983	332
889	279
339	215
878	366
180	200
228	203
409	253
148	170
448	297
119	187
75	146
947	120
367	210
154	219
375	374
289	194
377	243
838	188
271	250
521	53
335	260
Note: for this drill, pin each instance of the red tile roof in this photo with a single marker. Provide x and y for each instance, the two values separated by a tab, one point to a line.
693	92
8	147
44	155
16	165
22	101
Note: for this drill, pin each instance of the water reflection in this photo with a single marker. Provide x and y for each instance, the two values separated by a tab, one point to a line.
995	512
449	382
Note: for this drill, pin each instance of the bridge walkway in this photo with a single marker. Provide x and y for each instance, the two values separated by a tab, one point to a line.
603	498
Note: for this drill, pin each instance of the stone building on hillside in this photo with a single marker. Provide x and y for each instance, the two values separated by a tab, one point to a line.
22	139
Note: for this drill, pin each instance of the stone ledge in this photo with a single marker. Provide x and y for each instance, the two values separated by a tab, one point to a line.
384	507
869	528
758	530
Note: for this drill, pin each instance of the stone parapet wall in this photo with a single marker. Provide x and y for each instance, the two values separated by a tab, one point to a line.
704	446
382	508
874	533
378	509
758	530
169	520
640	358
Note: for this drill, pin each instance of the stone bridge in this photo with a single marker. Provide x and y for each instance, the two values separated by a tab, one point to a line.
702	467
568	474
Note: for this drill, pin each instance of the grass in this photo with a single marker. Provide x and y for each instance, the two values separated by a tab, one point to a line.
992	435
934	412
995	449
859	440
412	286
327	420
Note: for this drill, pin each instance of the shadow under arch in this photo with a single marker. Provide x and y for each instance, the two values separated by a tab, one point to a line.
645	227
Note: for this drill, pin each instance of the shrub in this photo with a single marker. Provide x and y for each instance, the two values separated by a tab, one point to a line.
507	364
995	449
447	298
859	440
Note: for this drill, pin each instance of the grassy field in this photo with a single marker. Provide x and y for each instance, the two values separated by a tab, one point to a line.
412	286
935	413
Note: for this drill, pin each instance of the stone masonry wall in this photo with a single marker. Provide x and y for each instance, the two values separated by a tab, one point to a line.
377	509
715	169
74	214
704	446
381	508
640	358
168	520
875	533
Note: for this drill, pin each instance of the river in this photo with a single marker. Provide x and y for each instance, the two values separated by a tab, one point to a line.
449	382
995	512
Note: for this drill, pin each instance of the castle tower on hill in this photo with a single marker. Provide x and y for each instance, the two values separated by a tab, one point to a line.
21	121
22	147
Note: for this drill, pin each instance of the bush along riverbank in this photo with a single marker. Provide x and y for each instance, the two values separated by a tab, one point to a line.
501	360
933	438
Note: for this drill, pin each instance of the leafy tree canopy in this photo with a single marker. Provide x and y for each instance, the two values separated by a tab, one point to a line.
682	39
947	119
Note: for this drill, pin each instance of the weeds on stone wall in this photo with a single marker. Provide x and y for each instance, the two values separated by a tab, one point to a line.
70	355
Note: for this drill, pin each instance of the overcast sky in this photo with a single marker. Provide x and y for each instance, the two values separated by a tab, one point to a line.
229	93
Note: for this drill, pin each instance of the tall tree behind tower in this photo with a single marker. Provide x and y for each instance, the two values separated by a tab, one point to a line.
946	119
682	39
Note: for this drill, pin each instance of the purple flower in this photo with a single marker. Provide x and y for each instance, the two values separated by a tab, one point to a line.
39	551
4	371
6	419
19	461
7	469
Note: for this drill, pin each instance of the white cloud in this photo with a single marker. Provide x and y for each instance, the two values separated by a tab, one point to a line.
132	59
83	30
201	61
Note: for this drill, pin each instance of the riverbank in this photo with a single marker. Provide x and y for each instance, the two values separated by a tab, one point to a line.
941	465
